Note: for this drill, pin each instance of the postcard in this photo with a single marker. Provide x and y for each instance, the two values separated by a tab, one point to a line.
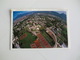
39	29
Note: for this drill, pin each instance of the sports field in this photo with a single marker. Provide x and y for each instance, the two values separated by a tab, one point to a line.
48	38
29	39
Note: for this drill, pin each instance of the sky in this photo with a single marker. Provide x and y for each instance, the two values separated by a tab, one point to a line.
61	12
16	13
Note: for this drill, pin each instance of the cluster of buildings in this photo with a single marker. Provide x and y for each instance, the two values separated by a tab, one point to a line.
15	42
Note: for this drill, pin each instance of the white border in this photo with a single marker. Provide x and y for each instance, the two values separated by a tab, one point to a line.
68	26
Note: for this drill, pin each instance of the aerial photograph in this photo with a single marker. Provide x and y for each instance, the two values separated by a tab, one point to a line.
39	29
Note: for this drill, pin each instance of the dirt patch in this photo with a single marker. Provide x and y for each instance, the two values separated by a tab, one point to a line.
23	36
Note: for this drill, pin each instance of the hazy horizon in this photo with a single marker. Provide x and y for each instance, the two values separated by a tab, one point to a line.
17	13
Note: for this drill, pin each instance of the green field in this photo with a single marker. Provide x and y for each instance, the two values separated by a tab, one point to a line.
25	43
48	38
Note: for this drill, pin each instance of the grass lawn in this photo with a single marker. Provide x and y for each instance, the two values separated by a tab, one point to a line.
48	38
25	43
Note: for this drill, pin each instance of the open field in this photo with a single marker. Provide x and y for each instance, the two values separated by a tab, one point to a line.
25	43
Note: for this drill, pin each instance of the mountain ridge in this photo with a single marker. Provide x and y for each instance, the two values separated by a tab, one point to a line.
62	15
